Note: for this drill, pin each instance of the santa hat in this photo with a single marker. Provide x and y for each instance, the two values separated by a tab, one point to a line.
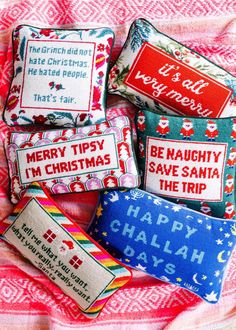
141	114
232	150
187	120
228	204
164	119
211	122
229	177
69	244
204	205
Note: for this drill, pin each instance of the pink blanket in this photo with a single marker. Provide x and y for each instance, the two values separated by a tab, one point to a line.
28	300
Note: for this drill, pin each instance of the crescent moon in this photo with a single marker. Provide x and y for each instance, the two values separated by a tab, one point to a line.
219	257
195	279
189	217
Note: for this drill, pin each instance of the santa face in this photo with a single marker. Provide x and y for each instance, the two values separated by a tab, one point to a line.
229	182
164	123
205	209
229	209
141	119
187	125
232	155
211	127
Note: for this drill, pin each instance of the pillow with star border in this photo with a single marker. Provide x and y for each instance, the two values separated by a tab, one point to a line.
189	160
156	71
60	76
167	241
56	245
79	159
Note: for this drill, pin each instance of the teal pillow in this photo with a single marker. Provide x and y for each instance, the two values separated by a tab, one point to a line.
191	160
156	71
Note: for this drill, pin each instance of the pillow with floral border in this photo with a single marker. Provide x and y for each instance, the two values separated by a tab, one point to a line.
60	76
156	71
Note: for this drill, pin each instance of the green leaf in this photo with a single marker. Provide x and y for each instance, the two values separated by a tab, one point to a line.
26	119
104	32
64	115
121	76
22	48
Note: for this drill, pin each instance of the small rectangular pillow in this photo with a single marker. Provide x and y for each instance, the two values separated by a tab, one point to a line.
156	71
68	160
189	159
165	240
59	76
63	251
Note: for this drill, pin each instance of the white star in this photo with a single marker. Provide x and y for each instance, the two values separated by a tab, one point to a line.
149	197
166	206
227	235
211	296
127	198
220	281
176	208
219	241
224	222
211	283
230	244
105	203
217	273
199	221
208	227
140	267
156	201
221	229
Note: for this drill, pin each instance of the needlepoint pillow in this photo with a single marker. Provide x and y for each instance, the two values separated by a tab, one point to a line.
78	159
156	71
191	159
63	251
59	76
165	240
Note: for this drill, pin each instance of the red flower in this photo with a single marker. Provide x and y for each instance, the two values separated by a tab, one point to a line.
100	74
45	32
100	47
14	117
82	116
39	119
96	94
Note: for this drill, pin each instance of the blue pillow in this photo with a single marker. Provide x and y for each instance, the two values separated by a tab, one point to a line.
165	240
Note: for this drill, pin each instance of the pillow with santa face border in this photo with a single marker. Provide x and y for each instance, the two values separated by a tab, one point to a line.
60	76
189	160
81	159
155	71
165	240
56	245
